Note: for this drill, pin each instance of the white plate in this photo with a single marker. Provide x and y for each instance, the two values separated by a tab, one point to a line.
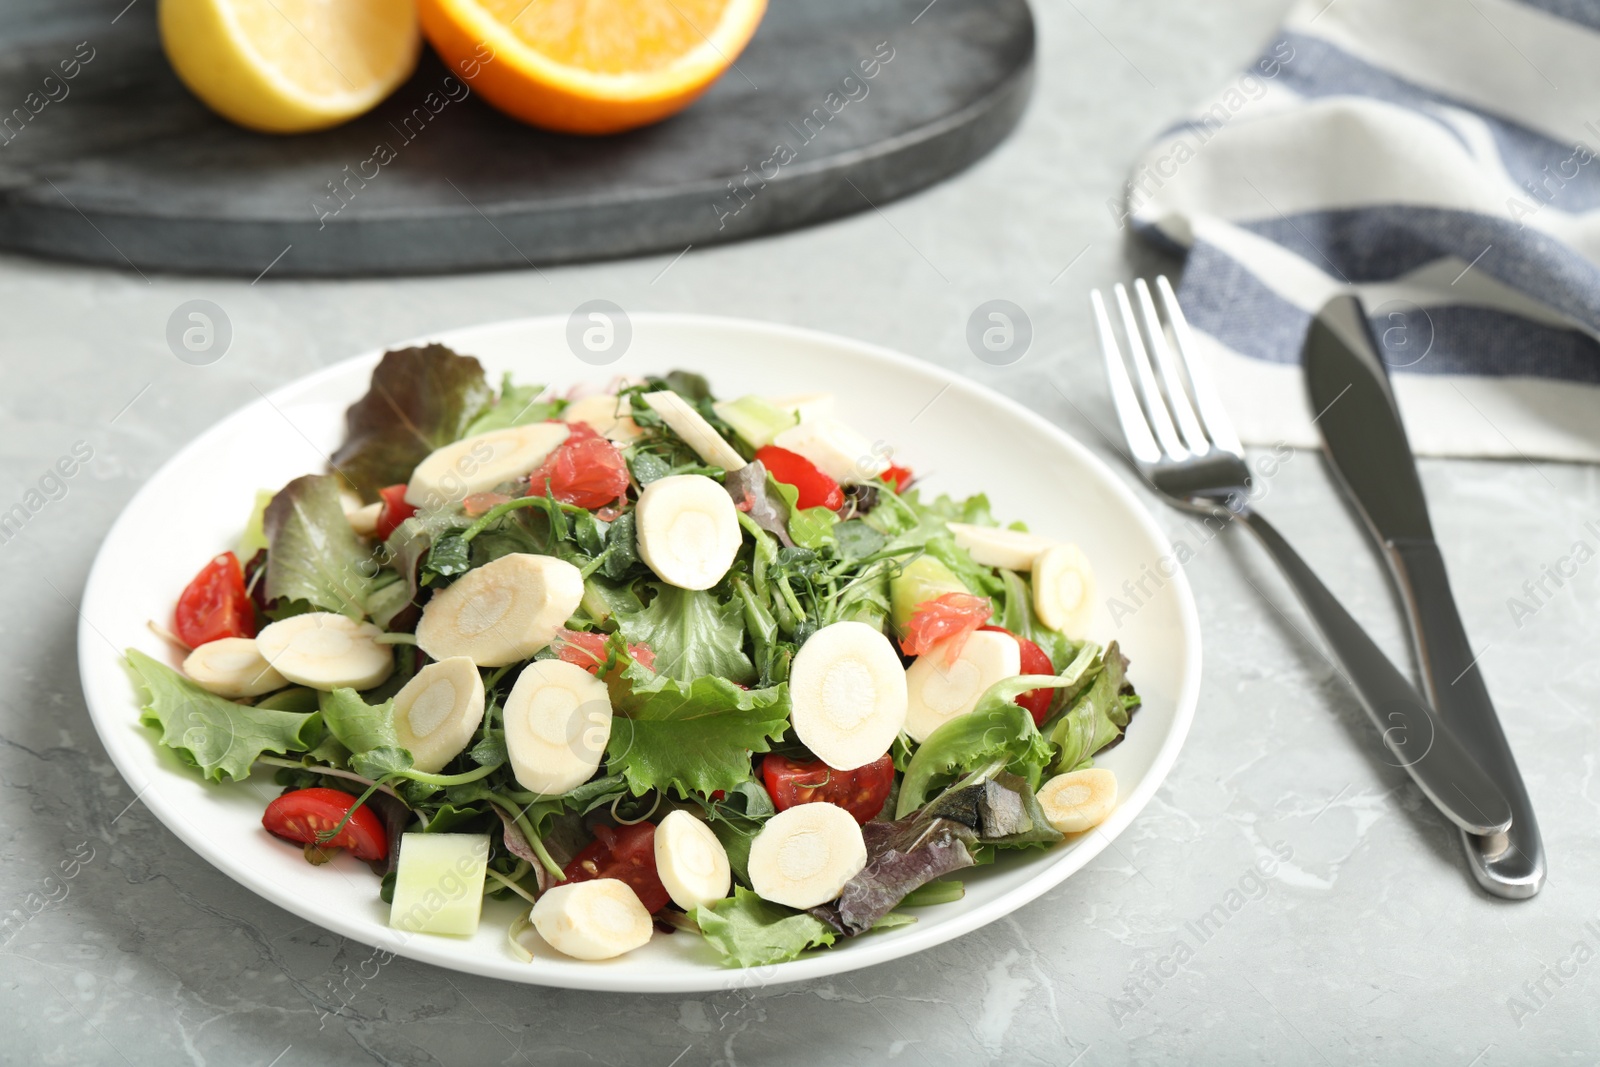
960	437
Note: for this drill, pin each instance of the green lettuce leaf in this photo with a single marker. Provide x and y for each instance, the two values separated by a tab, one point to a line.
296	698
750	932
911	523
420	399
359	726
395	606
1097	715
691	634
254	538
694	737
910	520
997	734
217	736
518	406
808	527
312	553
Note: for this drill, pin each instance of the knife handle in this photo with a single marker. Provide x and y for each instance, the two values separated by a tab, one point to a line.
1410	729
1507	865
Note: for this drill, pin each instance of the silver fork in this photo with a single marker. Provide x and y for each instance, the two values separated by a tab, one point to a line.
1182	442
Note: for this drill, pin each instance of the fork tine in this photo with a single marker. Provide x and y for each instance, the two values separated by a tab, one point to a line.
1134	426
1194	435
1214	415
1155	405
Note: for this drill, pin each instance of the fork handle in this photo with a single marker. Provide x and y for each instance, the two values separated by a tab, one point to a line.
1411	730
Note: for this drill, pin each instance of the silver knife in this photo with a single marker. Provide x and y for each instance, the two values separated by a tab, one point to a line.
1367	447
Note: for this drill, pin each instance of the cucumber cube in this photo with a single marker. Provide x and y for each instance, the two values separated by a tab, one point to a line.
753	419
438	886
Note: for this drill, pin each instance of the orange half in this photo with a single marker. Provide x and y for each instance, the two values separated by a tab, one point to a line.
590	66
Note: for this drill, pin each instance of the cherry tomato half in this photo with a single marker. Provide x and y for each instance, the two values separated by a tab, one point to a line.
587	470
861	792
395	511
1035	660
950	615
816	489
897	478
302	815
214	605
628	854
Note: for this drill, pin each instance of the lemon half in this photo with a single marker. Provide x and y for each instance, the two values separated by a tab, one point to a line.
287	66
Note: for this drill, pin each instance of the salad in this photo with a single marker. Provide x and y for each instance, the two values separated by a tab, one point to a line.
649	660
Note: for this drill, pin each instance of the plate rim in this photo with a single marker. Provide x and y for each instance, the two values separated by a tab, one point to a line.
911	939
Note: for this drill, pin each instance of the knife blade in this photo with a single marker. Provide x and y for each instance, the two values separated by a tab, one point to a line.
1366	445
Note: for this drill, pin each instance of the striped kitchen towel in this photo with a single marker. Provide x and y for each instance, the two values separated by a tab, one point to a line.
1439	157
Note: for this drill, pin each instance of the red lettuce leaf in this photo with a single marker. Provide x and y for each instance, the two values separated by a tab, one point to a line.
420	399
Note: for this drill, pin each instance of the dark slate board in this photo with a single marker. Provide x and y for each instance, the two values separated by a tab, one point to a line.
127	169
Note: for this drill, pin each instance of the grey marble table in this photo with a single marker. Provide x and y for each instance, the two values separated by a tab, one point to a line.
1364	944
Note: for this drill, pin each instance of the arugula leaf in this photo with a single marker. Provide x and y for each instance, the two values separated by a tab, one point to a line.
221	738
420	399
313	555
736	819
750	932
648	467
695	737
359	726
376	763
490	751
689	385
500	532
622	548
1097	716
857	540
518	405
448	556
691	634
603	599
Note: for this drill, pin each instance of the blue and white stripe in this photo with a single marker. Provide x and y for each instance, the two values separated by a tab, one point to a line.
1441	158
